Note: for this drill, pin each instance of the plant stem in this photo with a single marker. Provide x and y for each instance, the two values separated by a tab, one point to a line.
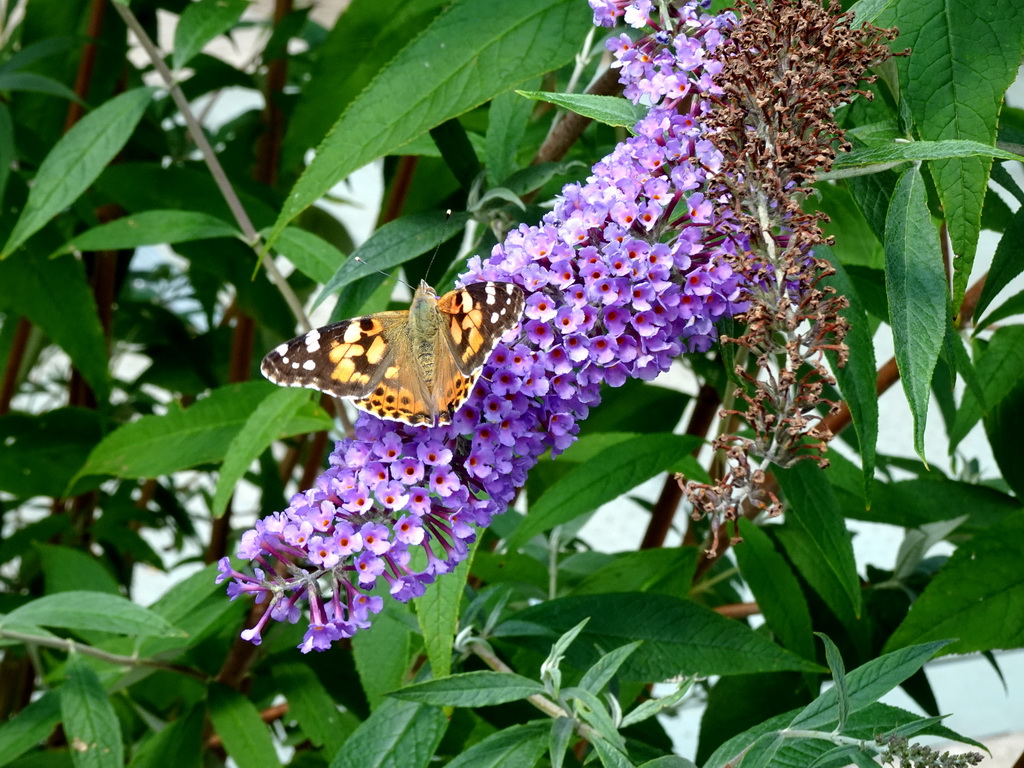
70	646
252	237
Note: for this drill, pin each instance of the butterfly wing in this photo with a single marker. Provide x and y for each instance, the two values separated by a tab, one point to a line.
476	317
346	359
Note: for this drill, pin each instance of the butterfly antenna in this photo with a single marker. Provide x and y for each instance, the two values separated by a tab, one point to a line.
381	271
444	228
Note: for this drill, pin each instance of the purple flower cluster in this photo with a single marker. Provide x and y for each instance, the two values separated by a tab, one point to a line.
623	275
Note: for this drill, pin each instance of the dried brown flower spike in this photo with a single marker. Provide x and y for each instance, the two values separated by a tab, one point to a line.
788	65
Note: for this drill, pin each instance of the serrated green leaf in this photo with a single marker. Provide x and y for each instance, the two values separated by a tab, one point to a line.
817	541
838	669
866	11
916	288
395	243
90	722
857	378
963	57
159	445
149	228
512	42
76	160
312	255
519	746
56	297
202	21
668	571
438	614
29	727
351	56
471	689
599	675
889	155
610	110
81	610
975	597
260	430
680	637
775	589
866	684
245	736
603	478
399	734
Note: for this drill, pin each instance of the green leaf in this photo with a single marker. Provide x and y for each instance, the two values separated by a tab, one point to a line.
30	82
351	56
1003	426
857	378
438	614
506	125
159	445
278	409
383	653
866	684
599	675
916	287
149	228
1000	368
471	689
775	589
76	160
668	571
312	255
511	42
610	110
890	155
399	734
1012	307
1007	263
680	637
7	147
866	11
202	21
245	736
40	454
835	664
91	610
603	478
395	243
69	570
90	722
975	597
312	706
56	297
29	727
179	743
519	746
963	57
816	539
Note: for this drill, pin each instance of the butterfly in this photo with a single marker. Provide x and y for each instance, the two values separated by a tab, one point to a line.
417	366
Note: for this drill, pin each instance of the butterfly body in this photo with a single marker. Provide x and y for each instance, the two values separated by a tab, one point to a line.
417	366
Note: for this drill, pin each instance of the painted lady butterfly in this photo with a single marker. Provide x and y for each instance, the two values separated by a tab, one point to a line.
417	366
